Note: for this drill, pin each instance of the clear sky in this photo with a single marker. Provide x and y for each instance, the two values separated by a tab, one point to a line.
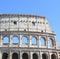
48	8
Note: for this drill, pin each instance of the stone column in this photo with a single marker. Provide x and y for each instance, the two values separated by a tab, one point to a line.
47	42
30	40
31	55
38	41
49	55
0	55
20	55
1	40
20	40
10	40
39	55
57	56
10	55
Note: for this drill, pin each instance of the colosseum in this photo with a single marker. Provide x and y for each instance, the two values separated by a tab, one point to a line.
27	37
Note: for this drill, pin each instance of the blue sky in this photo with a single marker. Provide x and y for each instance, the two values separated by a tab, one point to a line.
48	8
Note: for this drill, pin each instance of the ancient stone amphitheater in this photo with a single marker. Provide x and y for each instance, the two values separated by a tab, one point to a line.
27	37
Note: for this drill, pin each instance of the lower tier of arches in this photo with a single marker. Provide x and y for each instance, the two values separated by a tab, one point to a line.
28	55
25	55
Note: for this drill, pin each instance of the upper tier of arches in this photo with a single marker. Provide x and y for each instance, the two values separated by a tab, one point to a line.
29	40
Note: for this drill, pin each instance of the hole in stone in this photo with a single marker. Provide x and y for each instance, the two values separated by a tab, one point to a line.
15	22
33	23
24	29
5	29
41	30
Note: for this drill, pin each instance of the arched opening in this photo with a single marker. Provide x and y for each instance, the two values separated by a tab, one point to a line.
35	56
53	56
5	56
42	41
25	56
33	41
15	40
14	56
33	23
24	40
44	56
5	40
50	42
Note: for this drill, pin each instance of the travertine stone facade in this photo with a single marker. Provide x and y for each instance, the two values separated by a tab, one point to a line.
18	26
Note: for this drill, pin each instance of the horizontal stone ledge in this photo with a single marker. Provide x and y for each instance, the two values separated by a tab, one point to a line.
24	32
29	49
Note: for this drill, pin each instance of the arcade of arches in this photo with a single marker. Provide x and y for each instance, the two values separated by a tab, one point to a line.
27	56
34	41
41	41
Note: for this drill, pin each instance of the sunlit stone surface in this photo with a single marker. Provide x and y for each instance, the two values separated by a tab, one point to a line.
27	37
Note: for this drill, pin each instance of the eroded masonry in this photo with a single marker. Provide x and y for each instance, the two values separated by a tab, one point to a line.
27	37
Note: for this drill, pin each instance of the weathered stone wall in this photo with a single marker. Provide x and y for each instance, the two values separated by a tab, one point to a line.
15	25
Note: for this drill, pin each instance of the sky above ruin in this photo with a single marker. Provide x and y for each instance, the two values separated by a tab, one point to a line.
48	8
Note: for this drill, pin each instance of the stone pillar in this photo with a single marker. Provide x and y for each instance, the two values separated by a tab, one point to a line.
20	55
20	40
31	57
38	41
10	55
29	41
47	42
49	55
0	55
10	40
1	40
40	55
57	56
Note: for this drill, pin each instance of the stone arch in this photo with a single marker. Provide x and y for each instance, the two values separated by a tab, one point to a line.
53	41
15	40
24	40
4	56
44	56
5	40
24	56
42	41
35	56
15	56
50	42
53	56
33	40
